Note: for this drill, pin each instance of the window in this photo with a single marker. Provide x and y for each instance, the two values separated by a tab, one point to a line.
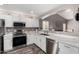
45	25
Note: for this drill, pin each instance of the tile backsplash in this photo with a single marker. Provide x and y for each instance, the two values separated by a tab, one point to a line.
11	29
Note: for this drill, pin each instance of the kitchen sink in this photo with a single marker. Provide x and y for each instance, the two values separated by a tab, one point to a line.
44	34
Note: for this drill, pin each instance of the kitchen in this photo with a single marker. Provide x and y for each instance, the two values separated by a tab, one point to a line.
39	29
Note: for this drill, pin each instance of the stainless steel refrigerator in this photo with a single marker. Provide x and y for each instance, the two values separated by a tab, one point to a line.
2	26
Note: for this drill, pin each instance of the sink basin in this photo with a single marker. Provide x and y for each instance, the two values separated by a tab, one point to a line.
44	34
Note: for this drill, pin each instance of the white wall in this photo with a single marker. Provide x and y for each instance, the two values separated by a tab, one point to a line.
73	26
69	14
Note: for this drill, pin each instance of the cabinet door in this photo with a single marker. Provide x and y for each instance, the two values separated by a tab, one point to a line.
7	42
31	39
32	22
7	45
43	43
28	39
37	41
8	21
28	22
67	49
35	23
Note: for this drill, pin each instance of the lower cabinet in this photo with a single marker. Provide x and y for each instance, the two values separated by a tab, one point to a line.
51	46
30	39
39	40
67	49
43	43
7	42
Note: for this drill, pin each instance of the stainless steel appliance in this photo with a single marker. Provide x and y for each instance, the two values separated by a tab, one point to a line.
19	38
2	24
50	46
19	24
1	44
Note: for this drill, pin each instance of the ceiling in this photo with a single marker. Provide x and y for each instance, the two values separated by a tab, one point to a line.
42	10
37	9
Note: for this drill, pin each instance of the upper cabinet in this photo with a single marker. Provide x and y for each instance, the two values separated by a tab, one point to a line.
10	18
35	23
32	22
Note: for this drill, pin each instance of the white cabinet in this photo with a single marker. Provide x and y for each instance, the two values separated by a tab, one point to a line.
33	39
41	42
8	20
32	22
67	49
35	23
28	22
7	42
38	40
8	23
15	18
30	39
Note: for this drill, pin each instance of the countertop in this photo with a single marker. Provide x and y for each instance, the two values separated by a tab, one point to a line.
67	33
66	37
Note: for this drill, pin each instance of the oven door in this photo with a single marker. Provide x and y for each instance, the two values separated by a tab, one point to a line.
20	40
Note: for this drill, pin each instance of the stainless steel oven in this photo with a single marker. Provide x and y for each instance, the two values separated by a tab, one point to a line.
19	40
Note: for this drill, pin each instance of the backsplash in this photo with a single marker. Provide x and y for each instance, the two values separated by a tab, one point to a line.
12	29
